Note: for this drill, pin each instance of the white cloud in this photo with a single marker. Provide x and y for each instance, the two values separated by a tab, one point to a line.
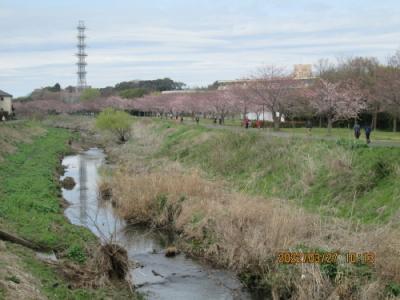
211	43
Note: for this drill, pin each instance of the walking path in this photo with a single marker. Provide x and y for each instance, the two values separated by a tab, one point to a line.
270	132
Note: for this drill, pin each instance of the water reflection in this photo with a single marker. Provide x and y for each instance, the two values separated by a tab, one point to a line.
82	191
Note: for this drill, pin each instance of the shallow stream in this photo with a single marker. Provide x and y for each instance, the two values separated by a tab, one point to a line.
157	276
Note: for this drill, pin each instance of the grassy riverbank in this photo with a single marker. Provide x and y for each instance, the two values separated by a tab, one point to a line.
31	208
343	179
238	199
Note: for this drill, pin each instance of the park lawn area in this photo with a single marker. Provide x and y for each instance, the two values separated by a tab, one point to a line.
339	133
335	178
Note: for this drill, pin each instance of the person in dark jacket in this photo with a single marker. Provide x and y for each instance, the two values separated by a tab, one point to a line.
357	131
309	126
246	123
368	131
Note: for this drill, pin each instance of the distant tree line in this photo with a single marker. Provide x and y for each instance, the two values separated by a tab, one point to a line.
127	89
138	88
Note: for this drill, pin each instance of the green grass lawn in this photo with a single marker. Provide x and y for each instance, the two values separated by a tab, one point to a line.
340	133
30	204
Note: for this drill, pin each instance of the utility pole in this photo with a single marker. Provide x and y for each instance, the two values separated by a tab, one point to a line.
81	56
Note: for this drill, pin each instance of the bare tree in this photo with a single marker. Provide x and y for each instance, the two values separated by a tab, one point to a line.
389	87
323	67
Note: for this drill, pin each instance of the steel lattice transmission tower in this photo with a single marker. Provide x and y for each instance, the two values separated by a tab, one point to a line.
81	56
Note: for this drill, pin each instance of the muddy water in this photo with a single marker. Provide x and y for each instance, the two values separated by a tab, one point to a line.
157	276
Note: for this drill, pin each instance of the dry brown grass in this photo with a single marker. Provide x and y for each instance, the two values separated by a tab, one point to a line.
234	230
77	122
133	155
105	190
245	233
15	281
14	133
171	251
108	262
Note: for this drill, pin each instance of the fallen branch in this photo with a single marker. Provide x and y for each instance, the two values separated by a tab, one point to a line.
17	240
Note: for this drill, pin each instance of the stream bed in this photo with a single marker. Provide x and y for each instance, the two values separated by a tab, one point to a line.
157	276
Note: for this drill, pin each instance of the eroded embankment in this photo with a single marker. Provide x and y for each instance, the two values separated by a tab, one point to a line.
31	208
240	231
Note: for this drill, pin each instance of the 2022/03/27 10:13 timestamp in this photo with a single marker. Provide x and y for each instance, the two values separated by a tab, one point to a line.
288	257
360	257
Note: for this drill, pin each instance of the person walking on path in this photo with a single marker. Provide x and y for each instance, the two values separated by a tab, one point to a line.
309	126
197	120
368	133
357	131
246	122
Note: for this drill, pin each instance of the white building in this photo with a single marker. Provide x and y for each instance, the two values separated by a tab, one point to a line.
267	116
5	103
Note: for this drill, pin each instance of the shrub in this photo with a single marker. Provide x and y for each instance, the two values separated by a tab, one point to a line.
118	122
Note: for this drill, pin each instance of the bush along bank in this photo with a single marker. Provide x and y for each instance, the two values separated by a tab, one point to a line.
240	230
31	208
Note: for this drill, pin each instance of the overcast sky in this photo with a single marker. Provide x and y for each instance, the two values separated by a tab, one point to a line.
196	42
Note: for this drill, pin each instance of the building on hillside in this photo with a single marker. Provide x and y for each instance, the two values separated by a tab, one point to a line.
301	77
302	72
6	108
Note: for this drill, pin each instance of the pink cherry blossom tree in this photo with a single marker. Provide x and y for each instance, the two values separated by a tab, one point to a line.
271	88
244	99
337	101
221	103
